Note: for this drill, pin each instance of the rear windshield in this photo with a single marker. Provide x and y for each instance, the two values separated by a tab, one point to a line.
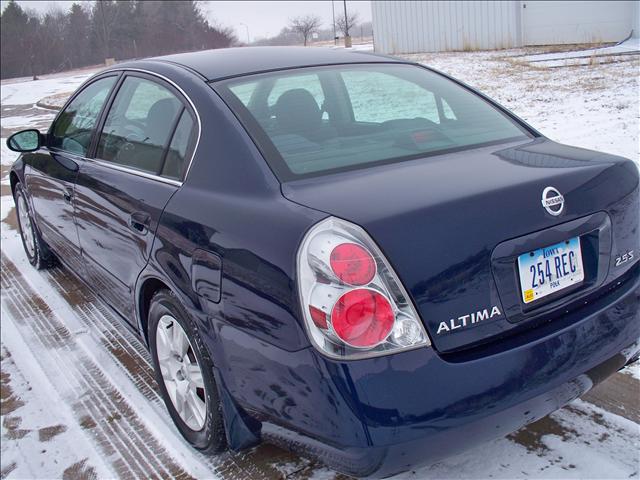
318	120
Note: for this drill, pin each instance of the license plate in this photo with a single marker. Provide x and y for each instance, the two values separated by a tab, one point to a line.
550	269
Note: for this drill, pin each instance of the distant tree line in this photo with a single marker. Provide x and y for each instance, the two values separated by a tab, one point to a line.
300	29
90	32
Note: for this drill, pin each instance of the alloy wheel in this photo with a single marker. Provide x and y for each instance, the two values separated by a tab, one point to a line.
26	228
181	372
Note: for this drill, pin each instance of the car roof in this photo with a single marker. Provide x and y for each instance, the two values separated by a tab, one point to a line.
232	62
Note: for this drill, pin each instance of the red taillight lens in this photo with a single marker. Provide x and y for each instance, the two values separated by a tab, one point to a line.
362	318
352	264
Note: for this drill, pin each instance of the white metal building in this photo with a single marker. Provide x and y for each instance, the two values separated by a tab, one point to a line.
434	26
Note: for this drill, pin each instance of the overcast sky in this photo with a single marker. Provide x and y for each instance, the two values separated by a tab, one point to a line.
263	18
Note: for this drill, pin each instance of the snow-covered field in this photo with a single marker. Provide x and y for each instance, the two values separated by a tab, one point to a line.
595	107
78	398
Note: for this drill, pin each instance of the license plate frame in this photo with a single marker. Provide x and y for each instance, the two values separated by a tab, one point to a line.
551	269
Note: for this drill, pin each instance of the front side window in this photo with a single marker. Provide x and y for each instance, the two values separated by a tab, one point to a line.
74	127
140	125
318	120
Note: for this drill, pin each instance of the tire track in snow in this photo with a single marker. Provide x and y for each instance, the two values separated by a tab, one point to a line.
120	434
132	358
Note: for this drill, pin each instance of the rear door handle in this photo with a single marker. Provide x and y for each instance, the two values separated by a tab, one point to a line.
140	221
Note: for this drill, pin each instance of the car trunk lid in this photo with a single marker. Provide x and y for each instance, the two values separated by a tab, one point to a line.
439	219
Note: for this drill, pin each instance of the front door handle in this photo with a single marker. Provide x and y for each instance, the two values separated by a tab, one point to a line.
140	221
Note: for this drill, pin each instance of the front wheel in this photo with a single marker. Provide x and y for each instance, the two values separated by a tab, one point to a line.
37	251
184	372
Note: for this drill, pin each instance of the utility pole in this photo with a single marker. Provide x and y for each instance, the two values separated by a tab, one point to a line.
248	38
333	15
347	38
104	32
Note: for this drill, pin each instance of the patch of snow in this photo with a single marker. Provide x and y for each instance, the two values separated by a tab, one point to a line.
633	370
586	442
632	45
363	47
7	157
6	205
29	92
54	102
25	121
590	61
155	419
31	446
595	107
18	122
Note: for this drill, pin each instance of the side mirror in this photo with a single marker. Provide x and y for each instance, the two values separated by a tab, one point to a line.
25	141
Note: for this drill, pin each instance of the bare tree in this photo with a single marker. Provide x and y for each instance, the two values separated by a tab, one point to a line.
345	25
305	25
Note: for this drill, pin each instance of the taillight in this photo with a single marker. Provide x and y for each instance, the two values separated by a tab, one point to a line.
362	318
353	303
353	264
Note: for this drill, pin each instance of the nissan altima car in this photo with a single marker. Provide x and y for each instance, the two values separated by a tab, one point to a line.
349	254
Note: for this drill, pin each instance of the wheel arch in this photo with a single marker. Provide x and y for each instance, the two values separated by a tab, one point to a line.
13	181
242	431
147	289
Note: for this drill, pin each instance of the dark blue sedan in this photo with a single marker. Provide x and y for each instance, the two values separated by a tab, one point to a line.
350	254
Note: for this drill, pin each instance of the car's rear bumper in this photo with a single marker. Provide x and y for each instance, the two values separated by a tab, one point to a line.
416	407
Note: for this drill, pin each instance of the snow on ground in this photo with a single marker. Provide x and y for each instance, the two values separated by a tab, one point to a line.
583	61
37	360
31	91
580	441
37	443
18	121
7	157
630	46
595	107
363	47
20	94
633	370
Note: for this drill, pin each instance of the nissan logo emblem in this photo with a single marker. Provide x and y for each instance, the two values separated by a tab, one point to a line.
552	201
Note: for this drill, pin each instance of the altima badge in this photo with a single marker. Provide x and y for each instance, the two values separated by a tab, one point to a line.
552	201
468	320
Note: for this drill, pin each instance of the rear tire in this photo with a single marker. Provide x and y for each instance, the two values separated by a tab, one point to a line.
178	355
36	249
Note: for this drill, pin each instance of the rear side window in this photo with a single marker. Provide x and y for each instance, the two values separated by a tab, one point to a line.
143	122
183	138
74	127
318	120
